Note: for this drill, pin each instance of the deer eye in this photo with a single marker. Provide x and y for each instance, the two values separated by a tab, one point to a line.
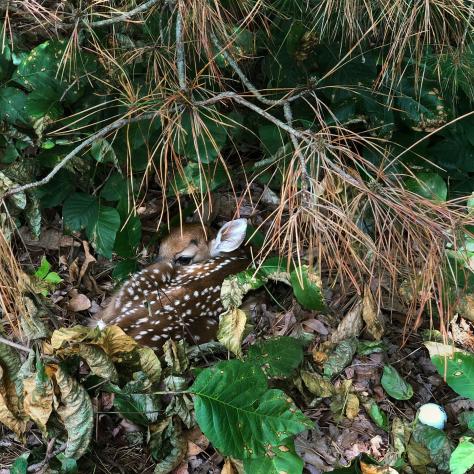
183	260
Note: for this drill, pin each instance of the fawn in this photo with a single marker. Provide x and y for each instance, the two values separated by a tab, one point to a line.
178	296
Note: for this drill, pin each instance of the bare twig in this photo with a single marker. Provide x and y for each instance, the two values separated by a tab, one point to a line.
15	345
50	454
180	54
125	16
101	133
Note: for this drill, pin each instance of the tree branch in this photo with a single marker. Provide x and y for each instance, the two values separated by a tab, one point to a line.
101	133
15	345
180	54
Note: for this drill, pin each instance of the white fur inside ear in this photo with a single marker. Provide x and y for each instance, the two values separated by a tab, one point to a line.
229	238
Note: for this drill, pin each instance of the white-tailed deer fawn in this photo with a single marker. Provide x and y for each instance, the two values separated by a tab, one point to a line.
178	296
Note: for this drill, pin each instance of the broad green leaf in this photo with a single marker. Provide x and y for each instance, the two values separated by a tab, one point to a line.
201	137
277	357
115	188
428	185
307	288
103	229
394	384
45	102
76	413
370	347
128	238
462	458
458	370
124	268
68	465
437	443
43	269
379	417
198	178
238	414
278	460
102	151
12	105
231	330
53	278
20	465
80	211
277	269
340	357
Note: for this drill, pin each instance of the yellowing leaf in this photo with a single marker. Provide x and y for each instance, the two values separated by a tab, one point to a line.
372	315
64	336
373	469
350	326
75	411
231	330
113	341
352	406
38	401
317	384
97	360
150	363
7	416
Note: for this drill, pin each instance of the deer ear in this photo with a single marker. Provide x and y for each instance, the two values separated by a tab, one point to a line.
229	238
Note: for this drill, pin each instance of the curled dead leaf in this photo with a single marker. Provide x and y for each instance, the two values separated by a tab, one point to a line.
350	326
231	330
78	301
372	315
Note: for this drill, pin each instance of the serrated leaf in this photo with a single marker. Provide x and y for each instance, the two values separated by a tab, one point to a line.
277	357
102	151
75	411
394	384
128	238
307	288
238	414
231	330
102	230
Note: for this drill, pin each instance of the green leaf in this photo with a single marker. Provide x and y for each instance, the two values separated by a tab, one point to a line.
12	105
458	371
277	357
20	465
44	102
80	211
43	269
102	151
379	417
341	357
68	465
201	137
103	230
128	238
307	288
370	347
53	278
462	458
394	385
115	188
239	415
124	268
428	185
437	443
198	178
278	460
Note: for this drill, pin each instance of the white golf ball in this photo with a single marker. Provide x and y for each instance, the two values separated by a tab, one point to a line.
432	415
